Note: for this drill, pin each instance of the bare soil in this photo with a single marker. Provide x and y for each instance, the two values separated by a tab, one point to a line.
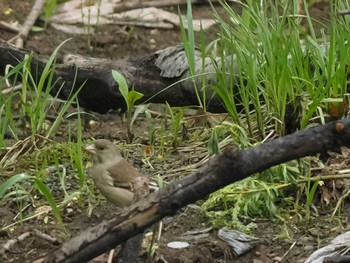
114	42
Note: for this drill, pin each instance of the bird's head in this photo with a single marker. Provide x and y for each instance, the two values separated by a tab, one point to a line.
103	151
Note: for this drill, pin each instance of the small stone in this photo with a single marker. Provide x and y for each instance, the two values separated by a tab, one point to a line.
178	244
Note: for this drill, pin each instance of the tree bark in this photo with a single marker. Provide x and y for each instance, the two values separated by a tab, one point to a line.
230	166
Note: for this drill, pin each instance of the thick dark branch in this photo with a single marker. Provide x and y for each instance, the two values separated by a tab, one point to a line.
230	166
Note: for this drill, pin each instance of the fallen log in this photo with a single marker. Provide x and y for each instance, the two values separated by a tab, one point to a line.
230	166
150	75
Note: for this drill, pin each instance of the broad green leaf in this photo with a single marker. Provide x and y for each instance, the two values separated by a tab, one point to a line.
134	96
122	86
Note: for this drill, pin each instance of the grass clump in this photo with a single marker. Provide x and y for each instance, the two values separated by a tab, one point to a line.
26	114
274	76
269	63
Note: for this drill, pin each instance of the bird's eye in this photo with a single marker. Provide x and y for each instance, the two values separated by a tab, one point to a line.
99	147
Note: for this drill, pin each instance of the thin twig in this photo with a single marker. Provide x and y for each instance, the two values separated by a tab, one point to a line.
280	259
46	237
12	89
9	27
340	201
10	243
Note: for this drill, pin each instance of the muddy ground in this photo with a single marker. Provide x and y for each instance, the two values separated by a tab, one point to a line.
115	42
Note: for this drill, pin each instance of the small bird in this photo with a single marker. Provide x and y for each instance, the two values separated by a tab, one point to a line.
121	184
118	181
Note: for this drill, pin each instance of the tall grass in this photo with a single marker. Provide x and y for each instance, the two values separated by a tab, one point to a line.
34	105
269	61
195	66
35	99
274	64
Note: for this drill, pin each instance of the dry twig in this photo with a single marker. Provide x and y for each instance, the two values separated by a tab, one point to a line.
28	24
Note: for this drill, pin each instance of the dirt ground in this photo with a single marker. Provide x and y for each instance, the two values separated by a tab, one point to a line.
273	244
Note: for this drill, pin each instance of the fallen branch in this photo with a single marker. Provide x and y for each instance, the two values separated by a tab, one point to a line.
230	166
29	23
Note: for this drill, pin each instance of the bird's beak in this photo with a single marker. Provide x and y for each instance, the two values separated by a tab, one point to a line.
90	149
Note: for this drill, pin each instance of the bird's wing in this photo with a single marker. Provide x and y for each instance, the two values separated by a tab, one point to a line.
122	173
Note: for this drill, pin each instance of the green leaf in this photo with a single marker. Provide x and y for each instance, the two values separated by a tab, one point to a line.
134	96
47	193
12	181
48	67
37	29
311	193
160	181
139	109
15	193
122	86
213	143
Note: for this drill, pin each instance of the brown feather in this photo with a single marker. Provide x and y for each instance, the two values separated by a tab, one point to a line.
122	172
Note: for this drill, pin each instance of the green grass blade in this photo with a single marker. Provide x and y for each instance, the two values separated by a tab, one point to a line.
47	193
12	181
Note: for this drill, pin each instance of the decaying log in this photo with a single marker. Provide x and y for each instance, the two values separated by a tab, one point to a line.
150	75
230	166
